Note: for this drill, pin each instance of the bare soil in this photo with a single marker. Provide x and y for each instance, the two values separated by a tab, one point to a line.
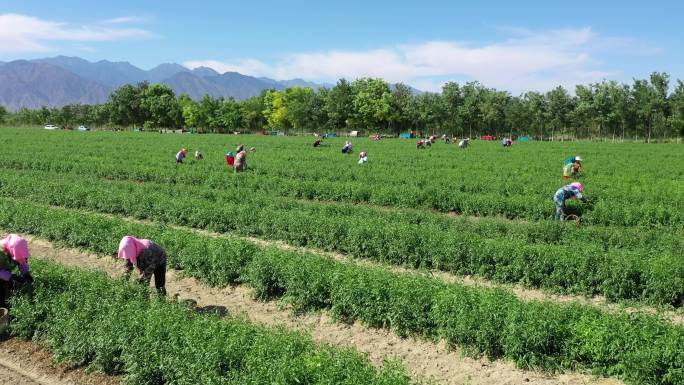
26	363
426	361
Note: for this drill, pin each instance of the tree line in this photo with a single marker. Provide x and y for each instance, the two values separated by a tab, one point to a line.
647	109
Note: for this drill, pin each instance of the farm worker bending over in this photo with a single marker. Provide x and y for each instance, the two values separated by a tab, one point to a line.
571	160
241	161
571	169
181	155
14	253
571	166
464	143
198	155
571	191
363	157
347	149
317	142
230	159
148	257
420	144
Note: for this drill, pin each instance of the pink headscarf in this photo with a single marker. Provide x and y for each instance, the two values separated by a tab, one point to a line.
130	247
578	186
17	248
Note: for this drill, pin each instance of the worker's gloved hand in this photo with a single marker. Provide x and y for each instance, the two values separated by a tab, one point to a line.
16	281
28	278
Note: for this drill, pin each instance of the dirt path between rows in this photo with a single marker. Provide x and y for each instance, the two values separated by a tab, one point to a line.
426	361
26	363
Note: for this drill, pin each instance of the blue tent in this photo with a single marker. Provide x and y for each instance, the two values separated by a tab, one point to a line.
524	138
407	135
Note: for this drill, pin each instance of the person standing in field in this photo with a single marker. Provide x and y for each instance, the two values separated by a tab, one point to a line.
574	190
363	157
230	159
241	161
181	155
14	254
464	143
148	257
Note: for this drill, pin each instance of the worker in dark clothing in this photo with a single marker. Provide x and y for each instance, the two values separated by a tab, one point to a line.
148	257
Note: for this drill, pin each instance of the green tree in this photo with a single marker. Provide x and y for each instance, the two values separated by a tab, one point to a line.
560	107
536	107
469	109
371	104
253	117
275	110
3	114
338	105
676	102
125	105
230	115
400	112
298	107
452	96
161	109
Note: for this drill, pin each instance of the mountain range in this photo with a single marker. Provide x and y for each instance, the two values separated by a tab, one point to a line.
62	80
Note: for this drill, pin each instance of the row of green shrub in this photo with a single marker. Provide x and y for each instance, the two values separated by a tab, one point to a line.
87	319
570	262
462	183
639	348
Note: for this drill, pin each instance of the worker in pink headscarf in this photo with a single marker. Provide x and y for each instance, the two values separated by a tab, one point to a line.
14	254
148	257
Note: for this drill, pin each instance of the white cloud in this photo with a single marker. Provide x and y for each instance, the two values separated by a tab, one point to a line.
125	20
525	60
28	34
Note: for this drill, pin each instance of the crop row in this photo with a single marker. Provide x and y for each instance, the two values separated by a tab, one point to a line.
475	183
649	271
23	182
88	319
640	348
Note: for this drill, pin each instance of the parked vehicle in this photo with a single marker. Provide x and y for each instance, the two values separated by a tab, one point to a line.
83	128
50	127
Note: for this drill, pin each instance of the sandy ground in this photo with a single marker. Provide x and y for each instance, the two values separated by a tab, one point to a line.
426	361
25	363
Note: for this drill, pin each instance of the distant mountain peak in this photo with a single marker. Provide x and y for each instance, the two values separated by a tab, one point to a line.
204	72
61	80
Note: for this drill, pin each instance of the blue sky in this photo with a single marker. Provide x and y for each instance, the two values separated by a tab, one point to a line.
512	45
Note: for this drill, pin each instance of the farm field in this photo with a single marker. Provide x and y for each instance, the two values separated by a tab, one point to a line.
483	213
